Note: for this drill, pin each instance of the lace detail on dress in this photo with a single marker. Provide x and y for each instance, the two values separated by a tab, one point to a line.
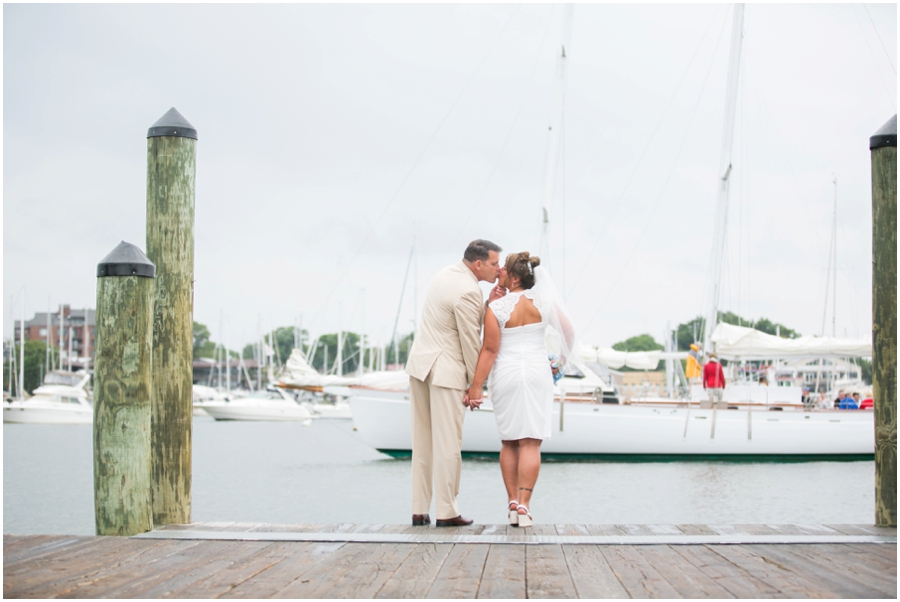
539	302
504	306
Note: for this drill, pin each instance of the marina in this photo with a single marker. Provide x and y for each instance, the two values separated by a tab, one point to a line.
343	560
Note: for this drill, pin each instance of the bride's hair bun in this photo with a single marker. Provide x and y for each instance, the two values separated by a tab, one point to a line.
521	265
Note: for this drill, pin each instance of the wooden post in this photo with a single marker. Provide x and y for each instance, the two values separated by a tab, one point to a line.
124	322
883	147
171	167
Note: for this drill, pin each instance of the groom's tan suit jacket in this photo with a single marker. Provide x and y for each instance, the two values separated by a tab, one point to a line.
441	366
449	337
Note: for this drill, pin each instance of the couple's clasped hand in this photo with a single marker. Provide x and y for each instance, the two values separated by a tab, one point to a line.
474	395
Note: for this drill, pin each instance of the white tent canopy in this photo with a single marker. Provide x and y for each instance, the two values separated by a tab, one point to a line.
740	342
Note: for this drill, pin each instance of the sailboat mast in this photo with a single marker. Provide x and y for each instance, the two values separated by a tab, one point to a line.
556	127
718	250
22	350
834	285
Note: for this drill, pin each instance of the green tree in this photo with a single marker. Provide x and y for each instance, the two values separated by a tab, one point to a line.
641	342
350	352
35	364
203	345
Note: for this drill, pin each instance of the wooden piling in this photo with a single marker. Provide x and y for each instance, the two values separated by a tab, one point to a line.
122	368
171	168
883	148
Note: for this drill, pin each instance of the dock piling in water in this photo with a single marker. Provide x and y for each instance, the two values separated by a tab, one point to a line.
171	170
122	392
883	148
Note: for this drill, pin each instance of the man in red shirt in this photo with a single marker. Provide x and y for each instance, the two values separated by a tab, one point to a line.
714	379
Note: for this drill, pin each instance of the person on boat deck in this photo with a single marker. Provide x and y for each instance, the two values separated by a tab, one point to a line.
848	403
838	399
693	369
714	379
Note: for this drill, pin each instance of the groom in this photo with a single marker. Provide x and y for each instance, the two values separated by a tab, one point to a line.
441	365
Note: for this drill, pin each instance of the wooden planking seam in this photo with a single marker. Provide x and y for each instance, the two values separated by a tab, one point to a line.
732	578
416	574
591	574
300	559
686	579
637	575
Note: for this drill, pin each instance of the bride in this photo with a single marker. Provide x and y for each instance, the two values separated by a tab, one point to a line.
521	380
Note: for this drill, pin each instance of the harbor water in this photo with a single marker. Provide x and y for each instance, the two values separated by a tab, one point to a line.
283	472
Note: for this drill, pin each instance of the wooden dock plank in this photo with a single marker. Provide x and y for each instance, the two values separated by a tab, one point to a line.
603	530
300	558
591	573
630	529
743	529
572	530
547	574
775	575
849	579
688	580
728	576
504	573
460	574
637	575
415	575
50	544
695	529
357	571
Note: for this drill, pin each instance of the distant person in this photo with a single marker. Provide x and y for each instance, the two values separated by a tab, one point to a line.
714	379
867	404
838	399
693	369
848	403
856	399
514	354
441	365
822	401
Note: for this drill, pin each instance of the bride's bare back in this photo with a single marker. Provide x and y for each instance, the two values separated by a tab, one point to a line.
523	314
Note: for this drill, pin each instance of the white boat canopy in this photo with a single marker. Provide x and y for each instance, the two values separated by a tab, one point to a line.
741	342
298	373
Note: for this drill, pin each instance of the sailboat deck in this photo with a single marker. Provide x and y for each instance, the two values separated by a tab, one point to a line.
242	560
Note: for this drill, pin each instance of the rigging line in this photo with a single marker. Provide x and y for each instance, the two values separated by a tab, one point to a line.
415	164
619	206
523	97
661	192
874	60
879	39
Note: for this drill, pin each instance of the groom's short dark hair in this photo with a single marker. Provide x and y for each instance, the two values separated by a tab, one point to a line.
480	249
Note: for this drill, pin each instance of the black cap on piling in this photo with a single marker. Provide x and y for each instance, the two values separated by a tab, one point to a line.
886	136
172	123
126	260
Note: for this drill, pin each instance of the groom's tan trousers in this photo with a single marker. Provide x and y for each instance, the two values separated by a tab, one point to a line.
437	419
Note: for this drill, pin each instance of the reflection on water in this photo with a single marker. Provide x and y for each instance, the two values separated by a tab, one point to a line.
287	473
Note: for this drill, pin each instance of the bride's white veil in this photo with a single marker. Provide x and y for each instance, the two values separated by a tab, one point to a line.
561	338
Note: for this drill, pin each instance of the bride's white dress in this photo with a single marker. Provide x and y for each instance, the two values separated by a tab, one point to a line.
521	383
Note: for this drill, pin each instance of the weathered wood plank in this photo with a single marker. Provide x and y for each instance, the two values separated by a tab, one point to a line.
881	555
538	529
665	530
547	574
572	530
695	529
743	529
504	573
460	574
732	578
848	579
638	577
46	545
631	529
300	558
688	580
603	530
591	573
414	577
357	571
779	577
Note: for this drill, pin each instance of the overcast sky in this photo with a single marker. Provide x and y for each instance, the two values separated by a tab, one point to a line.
331	136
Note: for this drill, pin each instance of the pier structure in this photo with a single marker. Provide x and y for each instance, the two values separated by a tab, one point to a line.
242	560
883	148
171	171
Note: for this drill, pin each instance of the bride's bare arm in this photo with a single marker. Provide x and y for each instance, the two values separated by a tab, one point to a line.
487	356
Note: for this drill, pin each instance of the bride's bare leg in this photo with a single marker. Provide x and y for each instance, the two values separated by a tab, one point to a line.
529	467
509	467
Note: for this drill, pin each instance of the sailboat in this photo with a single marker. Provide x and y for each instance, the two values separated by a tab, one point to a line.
590	419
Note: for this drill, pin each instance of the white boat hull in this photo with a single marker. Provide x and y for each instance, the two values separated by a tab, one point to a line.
383	421
280	413
28	412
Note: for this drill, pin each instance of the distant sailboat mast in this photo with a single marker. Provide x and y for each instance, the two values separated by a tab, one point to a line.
556	127
718	250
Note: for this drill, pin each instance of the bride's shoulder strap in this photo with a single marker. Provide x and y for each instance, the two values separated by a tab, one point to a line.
539	301
503	307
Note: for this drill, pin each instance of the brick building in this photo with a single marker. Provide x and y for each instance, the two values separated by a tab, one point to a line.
67	326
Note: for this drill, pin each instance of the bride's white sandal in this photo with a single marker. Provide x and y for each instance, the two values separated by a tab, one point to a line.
525	519
514	513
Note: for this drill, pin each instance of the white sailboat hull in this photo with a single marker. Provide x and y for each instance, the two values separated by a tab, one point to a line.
383	421
234	410
38	412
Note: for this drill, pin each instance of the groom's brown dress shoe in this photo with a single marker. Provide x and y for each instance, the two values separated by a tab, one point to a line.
421	519
458	521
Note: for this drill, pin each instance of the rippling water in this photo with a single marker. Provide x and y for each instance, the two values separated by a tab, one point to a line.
287	473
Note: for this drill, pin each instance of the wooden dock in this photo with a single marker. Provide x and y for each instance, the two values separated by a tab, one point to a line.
242	560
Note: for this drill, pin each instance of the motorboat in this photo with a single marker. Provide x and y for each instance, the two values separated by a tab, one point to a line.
203	395
268	405
62	399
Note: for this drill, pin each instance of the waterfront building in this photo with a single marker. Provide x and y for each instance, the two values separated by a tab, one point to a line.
70	330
